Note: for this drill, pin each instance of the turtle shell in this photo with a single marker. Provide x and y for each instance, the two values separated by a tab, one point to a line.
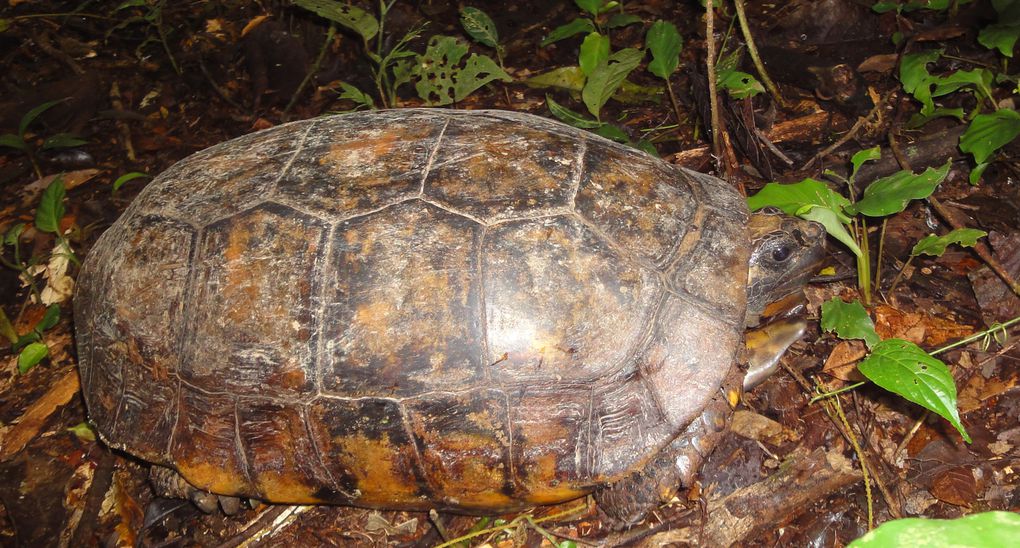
475	311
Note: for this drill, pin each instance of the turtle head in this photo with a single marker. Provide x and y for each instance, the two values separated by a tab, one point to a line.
785	253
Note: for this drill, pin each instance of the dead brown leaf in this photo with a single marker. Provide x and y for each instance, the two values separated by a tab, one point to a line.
917	328
955	486
842	361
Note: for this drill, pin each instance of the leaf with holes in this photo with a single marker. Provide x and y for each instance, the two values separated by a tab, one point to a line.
443	79
904	368
351	17
478	25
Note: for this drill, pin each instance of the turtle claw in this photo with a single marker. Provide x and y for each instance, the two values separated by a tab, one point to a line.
169	484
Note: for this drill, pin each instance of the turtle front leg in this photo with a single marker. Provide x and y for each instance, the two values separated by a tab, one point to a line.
630	500
169	484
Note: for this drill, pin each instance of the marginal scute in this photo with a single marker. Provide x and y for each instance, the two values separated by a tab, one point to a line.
402	294
718	275
365	446
204	446
559	299
626	423
552	443
464	441
280	455
352	169
525	172
254	303
642	204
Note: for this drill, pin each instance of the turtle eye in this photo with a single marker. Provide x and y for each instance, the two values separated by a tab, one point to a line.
781	252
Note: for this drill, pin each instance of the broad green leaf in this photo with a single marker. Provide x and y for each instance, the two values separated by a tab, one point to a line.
50	318
979	78
31	355
577	26
936	245
984	530
594	52
664	41
607	78
478	25
359	97
568	116
809	199
31	115
915	77
647	147
988	133
572	79
7	329
613	133
443	80
832	221
51	207
919	119
891	194
883	7
903	368
861	156
127	177
63	140
13	233
83	431
26	339
740	85
849	321
345	15
619	20
1000	37
13	141
590	6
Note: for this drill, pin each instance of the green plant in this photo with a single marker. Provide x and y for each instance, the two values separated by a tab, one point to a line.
151	15
1002	34
936	245
128	177
443	76
22	140
984	530
896	365
845	219
594	20
31	350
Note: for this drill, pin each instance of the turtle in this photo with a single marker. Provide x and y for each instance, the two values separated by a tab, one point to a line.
467	311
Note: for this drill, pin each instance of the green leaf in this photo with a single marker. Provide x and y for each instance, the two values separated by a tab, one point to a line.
13	233
7	329
63	140
849	321
919	119
26	339
665	43
577	26
5	24
809	199
915	77
590	6
443	80
862	156
83	431
13	141
936	245
988	133
49	319
31	356
891	194
901	367
359	97
572	79
568	116
31	115
619	20
51	207
594	52
740	85
130	4
984	530
127	177
351	17
1000	37
478	25
613	133
607	78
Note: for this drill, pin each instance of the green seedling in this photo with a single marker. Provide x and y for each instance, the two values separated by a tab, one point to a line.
128	177
896	365
845	219
986	134
23	142
595	18
936	245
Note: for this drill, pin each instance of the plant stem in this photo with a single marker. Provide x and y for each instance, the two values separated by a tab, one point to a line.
672	99
899	274
162	37
864	261
745	29
878	259
312	70
976	336
713	97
